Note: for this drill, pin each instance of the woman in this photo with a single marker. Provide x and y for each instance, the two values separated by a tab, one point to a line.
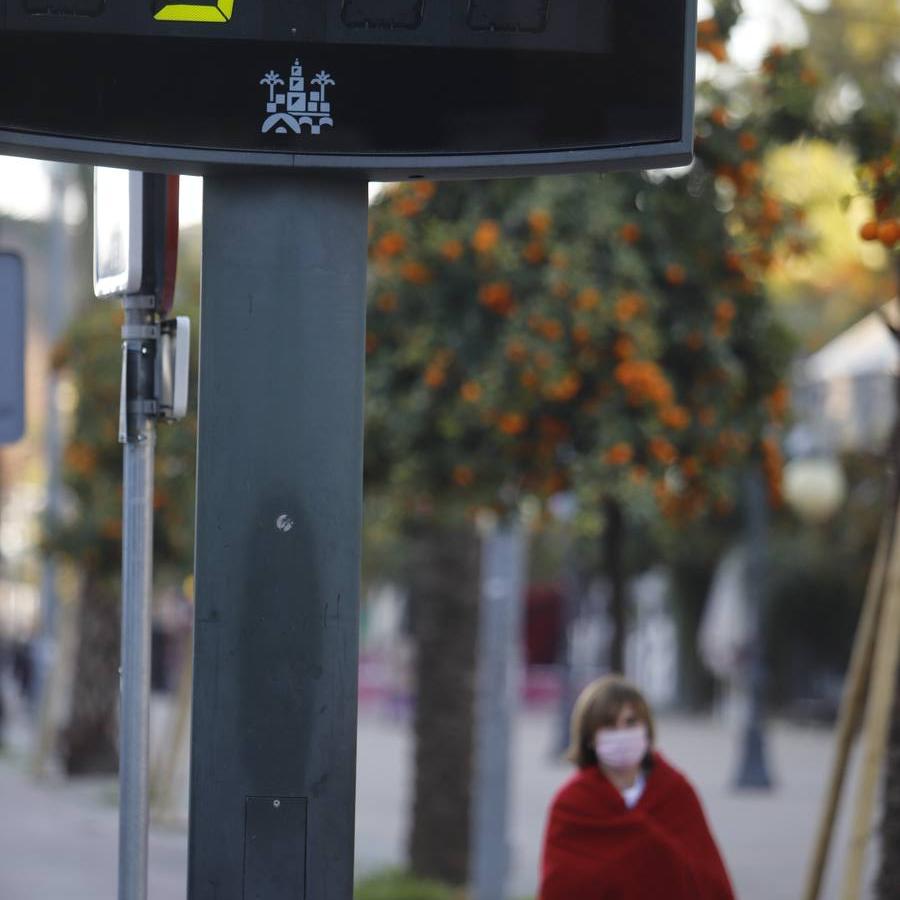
626	826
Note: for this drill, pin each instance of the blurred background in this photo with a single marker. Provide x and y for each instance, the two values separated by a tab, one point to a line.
639	422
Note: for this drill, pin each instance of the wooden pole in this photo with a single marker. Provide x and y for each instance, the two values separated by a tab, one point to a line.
852	703
877	721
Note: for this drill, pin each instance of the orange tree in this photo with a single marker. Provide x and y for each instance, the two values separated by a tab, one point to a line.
610	335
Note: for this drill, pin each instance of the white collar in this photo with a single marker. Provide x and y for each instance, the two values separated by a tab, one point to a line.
633	794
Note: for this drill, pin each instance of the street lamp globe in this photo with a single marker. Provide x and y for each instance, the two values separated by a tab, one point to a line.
815	487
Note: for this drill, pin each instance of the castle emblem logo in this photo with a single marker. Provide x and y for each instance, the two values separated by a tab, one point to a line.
291	110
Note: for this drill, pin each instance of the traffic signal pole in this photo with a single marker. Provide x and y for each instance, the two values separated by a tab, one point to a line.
279	501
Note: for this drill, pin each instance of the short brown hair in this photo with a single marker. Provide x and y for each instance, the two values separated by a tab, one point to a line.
598	706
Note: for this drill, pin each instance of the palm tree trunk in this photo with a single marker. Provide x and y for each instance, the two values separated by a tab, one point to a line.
89	743
443	588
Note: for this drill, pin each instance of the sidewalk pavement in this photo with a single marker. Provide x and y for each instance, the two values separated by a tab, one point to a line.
58	839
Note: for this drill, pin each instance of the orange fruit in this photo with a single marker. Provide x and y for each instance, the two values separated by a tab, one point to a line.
869	231
630	233
889	232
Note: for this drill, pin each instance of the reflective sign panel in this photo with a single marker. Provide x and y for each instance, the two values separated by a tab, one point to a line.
12	348
392	87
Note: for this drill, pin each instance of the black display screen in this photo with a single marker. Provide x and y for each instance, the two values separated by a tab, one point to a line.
383	79
578	26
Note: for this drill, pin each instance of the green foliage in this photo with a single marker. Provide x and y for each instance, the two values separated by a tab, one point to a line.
527	336
398	885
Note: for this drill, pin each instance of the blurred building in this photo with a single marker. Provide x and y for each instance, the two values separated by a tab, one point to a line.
845	394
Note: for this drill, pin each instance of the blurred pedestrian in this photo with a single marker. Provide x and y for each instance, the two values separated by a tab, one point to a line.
627	825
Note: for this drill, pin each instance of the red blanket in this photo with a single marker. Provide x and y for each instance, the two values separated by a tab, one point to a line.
595	848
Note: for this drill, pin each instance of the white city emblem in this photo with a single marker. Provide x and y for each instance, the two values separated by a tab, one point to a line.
292	109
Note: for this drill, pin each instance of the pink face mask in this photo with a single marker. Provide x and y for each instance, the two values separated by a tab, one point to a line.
621	748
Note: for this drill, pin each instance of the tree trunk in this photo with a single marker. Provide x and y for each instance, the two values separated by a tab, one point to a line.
691	582
614	560
89	742
443	586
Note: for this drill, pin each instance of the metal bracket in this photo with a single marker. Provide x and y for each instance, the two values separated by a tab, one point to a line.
140	332
139	301
143	407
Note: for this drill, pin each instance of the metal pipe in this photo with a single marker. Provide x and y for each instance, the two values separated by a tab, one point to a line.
753	769
499	668
137	576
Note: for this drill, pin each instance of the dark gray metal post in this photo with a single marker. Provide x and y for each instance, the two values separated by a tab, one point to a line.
279	498
753	770
499	669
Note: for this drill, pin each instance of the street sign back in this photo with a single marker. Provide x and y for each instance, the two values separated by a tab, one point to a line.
12	348
392	88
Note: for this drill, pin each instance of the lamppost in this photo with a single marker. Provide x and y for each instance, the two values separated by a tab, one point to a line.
753	771
564	508
815	487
